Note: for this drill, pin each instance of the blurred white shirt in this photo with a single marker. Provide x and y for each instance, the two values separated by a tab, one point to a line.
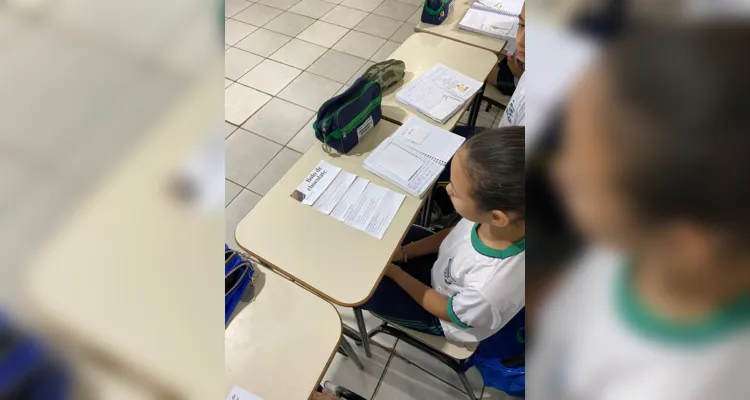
587	348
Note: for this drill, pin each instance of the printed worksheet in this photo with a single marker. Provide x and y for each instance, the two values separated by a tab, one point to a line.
349	199
316	183
452	81
365	207
384	214
335	191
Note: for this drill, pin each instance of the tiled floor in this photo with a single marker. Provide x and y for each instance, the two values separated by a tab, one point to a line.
283	59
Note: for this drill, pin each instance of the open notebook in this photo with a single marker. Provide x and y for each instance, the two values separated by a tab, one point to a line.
497	18
414	156
438	92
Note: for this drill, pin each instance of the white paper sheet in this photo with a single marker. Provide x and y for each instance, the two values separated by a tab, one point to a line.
415	135
383	216
335	191
399	161
349	199
316	183
435	142
239	393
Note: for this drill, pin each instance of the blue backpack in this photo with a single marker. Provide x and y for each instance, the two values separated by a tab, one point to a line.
493	353
238	274
28	370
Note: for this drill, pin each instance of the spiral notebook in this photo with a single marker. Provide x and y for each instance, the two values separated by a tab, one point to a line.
508	7
439	92
496	18
414	156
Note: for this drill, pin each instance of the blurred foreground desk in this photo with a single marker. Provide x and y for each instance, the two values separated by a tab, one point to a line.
134	279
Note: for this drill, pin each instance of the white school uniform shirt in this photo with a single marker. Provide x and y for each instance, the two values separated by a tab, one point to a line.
485	287
515	112
596	341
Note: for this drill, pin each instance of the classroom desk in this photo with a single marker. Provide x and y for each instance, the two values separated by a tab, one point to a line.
280	344
420	52
339	263
449	30
116	285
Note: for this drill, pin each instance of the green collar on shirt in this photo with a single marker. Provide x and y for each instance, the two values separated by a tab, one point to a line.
636	314
483	249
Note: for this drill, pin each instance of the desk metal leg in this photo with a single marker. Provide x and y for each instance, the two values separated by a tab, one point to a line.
474	110
427	210
350	352
362	331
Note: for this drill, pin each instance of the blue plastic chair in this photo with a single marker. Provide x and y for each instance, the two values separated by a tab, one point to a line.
500	358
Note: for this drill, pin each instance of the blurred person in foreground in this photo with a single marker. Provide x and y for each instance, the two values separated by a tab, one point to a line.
654	170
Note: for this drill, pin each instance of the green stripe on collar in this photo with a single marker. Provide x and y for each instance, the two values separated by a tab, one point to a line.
510	251
636	314
454	318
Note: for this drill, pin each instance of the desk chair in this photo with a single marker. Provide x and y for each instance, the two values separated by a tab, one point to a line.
507	344
494	97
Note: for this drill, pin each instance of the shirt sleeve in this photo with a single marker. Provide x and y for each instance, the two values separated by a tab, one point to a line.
469	309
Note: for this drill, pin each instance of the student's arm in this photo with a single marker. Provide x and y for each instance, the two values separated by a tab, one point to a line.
427	297
423	247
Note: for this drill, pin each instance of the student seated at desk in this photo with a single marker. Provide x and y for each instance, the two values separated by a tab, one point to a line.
465	283
515	112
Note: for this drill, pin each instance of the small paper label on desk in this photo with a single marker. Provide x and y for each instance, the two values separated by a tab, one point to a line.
364	128
239	393
416	135
316	183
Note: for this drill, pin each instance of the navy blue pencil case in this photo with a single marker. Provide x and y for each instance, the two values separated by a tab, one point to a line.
345	119
436	11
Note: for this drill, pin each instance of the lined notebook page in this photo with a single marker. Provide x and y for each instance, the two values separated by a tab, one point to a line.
399	161
429	140
380	163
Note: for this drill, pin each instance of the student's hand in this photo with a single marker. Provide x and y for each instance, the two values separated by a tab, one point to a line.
392	269
398	255
515	67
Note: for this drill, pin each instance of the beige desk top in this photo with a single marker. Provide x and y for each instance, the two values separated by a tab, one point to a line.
332	259
420	52
118	282
449	30
279	345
